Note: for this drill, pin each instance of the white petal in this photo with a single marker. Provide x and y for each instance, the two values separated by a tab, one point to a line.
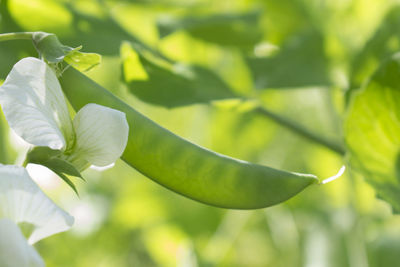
101	134
34	104
14	249
22	201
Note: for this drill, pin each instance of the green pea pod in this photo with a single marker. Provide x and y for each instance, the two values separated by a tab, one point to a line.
184	167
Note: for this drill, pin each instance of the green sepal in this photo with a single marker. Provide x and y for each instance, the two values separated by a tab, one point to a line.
62	166
26	228
68	181
40	154
54	52
50	158
49	47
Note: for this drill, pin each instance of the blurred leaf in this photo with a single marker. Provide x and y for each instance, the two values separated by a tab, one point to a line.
7	23
73	25
296	18
384	251
240	30
10	51
172	84
40	15
300	62
383	43
372	131
86	30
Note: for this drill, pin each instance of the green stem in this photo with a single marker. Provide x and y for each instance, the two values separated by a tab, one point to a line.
301	130
16	36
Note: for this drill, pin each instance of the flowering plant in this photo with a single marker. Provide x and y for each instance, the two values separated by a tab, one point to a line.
35	108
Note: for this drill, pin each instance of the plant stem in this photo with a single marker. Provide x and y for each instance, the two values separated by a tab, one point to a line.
301	130
15	36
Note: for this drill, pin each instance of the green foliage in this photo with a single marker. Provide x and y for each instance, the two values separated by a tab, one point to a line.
382	44
173	84
300	62
176	60
238	30
373	131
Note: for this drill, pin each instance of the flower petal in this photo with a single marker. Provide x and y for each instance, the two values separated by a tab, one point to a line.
101	134
22	201
34	104
14	250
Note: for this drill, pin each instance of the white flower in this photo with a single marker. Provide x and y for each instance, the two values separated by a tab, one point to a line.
25	209
35	108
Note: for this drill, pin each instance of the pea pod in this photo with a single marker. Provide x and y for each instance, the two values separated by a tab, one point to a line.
184	167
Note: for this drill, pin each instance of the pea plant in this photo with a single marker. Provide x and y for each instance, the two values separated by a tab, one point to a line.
35	108
72	123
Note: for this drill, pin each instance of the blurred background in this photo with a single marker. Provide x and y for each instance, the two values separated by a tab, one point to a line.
233	76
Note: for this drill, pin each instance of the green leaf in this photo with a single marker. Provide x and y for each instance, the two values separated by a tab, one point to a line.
383	43
53	51
372	131
239	30
172	84
300	62
102	35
